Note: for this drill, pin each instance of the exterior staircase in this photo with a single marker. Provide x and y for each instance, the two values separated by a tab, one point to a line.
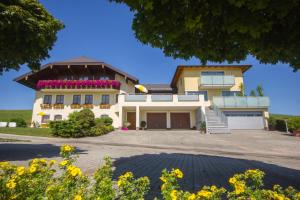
216	121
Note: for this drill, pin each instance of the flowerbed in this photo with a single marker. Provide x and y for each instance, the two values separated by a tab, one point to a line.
68	84
40	181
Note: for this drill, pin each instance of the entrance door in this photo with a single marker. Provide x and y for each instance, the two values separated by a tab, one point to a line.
156	120
180	121
131	118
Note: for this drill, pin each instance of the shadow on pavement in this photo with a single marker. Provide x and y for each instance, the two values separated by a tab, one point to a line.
200	170
20	152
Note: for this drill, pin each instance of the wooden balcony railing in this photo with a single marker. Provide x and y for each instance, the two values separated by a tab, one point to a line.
90	106
75	106
46	106
58	106
104	106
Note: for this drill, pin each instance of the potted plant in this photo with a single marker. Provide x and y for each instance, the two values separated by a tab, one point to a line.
143	125
126	125
203	127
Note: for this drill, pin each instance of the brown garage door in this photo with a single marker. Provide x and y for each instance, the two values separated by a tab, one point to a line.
180	120
156	120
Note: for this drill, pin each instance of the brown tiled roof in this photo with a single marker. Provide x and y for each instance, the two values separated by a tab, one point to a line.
78	61
180	68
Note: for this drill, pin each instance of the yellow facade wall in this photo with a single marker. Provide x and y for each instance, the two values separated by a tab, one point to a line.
191	79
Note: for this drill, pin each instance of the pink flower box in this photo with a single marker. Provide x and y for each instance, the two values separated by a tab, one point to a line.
51	84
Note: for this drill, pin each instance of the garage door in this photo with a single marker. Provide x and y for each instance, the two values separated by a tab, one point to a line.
156	120
244	120
180	121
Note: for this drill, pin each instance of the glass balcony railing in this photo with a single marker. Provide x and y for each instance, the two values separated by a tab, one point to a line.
217	80
135	98
241	102
164	97
188	97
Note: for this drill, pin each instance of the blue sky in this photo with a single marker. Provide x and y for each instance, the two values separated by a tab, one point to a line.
102	30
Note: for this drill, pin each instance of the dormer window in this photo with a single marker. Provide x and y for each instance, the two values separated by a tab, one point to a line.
104	78
212	73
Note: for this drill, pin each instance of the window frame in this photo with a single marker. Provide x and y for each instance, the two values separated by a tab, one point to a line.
57	119
77	95
88	99
212	73
47	101
61	99
105	99
45	121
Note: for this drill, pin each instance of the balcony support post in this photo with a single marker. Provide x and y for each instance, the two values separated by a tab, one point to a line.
120	117
137	121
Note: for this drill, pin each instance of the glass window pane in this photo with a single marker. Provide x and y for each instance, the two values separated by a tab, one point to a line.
47	99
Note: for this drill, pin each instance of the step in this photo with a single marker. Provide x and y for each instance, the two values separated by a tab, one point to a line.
218	130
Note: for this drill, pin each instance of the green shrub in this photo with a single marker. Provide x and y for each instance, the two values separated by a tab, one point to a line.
64	128
280	125
81	124
294	124
19	121
272	123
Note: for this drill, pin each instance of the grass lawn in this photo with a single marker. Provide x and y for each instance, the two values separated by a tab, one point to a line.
42	132
280	116
6	115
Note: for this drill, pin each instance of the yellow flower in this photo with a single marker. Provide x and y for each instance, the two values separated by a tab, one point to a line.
213	188
77	197
232	180
204	193
33	168
67	148
120	182
20	170
239	187
128	175
4	164
173	194
52	162
64	162
11	184
163	186
163	179
74	171
192	197
178	173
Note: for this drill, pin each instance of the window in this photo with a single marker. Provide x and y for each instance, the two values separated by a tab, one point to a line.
105	99
57	117
59	99
212	73
199	92
47	99
76	99
88	99
45	119
230	93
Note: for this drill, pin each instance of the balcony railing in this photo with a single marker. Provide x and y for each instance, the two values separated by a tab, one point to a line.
164	97
135	98
241	102
78	84
217	80
188	97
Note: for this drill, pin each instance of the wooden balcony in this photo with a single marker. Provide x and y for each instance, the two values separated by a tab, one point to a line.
46	106
104	106
58	106
89	106
76	106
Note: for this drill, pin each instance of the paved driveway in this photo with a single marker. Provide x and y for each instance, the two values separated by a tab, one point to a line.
205	159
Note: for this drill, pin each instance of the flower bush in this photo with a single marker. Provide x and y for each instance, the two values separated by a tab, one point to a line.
67	84
41	180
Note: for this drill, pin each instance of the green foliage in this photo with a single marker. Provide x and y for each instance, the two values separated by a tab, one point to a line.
6	115
220	31
294	124
203	126
28	32
242	89
272	123
280	125
143	124
19	121
260	91
81	124
107	121
252	93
